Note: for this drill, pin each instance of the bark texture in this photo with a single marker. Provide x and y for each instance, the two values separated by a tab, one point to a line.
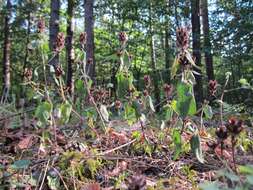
207	42
89	29
6	53
69	45
54	28
195	20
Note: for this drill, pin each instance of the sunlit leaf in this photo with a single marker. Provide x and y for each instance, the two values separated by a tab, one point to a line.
104	113
196	147
65	110
177	141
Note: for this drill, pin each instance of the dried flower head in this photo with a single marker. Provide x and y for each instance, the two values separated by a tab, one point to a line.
89	61
118	104
28	74
183	61
147	80
212	144
83	38
222	133
212	86
234	126
145	93
167	90
60	42
123	37
182	38
41	25
58	71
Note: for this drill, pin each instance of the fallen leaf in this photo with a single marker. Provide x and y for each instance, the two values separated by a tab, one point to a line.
92	186
25	143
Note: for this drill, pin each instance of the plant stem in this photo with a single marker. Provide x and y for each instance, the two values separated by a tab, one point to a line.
233	151
221	101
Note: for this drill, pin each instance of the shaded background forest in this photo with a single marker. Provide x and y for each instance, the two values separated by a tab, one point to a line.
222	40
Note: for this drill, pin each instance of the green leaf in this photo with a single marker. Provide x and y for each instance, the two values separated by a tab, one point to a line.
196	147
79	84
124	82
136	135
53	182
209	186
104	113
248	169
20	164
151	105
65	110
177	143
208	111
43	112
167	112
249	179
185	104
129	114
138	108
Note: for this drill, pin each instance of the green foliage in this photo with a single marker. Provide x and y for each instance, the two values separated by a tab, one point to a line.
20	164
185	104
124	83
177	141
53	182
130	114
208	111
65	111
43	113
241	181
196	146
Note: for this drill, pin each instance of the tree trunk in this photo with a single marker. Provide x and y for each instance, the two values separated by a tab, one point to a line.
6	54
207	43
69	45
54	28
167	45
153	61
89	29
28	31
195	19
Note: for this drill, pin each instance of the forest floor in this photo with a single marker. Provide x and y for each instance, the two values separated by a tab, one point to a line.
124	157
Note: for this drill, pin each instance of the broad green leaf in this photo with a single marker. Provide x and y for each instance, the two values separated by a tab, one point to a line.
208	111
248	169
124	83
79	84
43	112
20	164
104	113
185	104
196	147
177	143
65	110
